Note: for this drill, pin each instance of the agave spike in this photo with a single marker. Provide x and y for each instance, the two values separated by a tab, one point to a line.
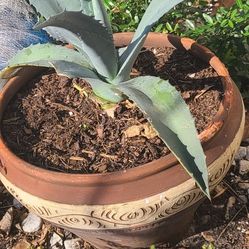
48	8
170	116
101	14
154	12
162	104
86	36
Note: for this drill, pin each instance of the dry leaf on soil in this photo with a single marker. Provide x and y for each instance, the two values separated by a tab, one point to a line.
129	104
208	236
111	111
22	245
100	130
42	238
231	202
219	190
145	130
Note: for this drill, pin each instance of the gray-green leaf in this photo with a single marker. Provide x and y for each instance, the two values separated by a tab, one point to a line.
40	55
153	13
101	14
100	88
72	69
170	116
48	8
88	36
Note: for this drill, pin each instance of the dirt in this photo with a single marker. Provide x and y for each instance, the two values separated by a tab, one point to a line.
55	122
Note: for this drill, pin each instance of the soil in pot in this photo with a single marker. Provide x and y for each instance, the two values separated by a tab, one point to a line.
55	122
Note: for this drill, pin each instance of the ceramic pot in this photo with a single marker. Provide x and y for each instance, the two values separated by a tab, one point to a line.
149	204
246	129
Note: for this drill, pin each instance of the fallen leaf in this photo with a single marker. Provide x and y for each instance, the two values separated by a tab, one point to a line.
129	104
27	130
149	131
134	130
102	168
6	221
231	202
99	167
186	95
42	238
208	236
219	190
111	111
145	130
192	75
22	245
100	131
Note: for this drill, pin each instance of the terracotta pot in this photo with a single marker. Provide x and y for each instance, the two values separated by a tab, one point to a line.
246	129
146	205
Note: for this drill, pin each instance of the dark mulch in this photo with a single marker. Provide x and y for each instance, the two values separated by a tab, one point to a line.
53	125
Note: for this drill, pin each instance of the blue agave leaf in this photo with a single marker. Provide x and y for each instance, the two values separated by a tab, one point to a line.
17	19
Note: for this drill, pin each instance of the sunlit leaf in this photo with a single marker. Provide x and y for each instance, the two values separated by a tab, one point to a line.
40	55
170	116
89	37
153	13
100	88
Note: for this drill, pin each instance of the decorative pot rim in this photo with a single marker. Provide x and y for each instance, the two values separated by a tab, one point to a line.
144	171
204	136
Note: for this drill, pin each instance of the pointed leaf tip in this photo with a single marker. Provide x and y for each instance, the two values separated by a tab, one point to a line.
88	36
170	116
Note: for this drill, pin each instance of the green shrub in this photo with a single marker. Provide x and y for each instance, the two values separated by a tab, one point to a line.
126	14
225	33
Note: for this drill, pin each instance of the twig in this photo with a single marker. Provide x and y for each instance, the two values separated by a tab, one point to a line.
68	109
202	92
108	156
64	107
88	152
10	120
235	193
224	230
113	157
9	206
76	158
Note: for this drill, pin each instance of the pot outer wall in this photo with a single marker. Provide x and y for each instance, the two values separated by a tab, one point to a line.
149	204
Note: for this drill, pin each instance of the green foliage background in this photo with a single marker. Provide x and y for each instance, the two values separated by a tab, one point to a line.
226	32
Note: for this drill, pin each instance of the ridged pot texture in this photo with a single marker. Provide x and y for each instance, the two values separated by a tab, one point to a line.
146	205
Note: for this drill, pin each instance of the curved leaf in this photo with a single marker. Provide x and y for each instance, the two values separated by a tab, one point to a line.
89	37
101	14
170	116
105	91
100	88
72	69
153	13
41	55
48	8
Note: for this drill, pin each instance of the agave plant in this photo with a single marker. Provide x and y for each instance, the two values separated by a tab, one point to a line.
85	25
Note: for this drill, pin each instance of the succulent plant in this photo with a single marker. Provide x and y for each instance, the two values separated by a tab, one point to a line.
85	25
